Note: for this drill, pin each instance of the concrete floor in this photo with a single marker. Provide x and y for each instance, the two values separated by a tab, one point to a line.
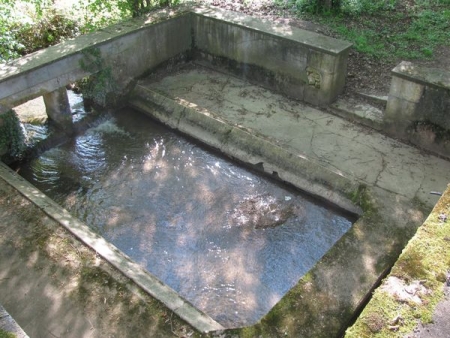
357	152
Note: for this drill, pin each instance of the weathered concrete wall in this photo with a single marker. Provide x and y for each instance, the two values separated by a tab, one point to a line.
58	107
130	49
418	106
301	64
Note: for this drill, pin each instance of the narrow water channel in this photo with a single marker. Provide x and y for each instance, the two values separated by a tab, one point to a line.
229	241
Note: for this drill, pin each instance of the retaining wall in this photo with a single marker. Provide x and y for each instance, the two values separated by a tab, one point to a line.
298	63
418	107
130	49
303	64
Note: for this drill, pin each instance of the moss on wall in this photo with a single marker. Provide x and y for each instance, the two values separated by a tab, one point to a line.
12	139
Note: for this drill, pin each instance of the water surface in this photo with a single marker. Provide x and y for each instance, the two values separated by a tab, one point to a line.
229	241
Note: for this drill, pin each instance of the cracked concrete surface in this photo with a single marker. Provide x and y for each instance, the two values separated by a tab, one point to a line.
342	147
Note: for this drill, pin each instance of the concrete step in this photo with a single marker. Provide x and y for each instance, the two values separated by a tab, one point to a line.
361	112
374	98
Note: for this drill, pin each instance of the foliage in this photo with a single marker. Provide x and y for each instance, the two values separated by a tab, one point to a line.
9	45
12	139
100	13
101	83
30	25
342	6
40	25
49	30
418	28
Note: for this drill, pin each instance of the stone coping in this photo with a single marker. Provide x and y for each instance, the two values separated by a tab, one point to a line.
426	76
110	253
313	40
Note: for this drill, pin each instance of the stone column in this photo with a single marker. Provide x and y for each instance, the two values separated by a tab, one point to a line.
58	108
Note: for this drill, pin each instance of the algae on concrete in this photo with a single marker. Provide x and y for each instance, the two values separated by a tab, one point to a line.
421	271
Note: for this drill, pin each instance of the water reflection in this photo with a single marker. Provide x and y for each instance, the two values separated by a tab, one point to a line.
227	240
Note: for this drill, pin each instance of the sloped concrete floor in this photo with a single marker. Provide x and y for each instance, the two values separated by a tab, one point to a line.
341	146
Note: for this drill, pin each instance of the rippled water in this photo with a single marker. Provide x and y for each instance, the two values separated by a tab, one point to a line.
36	132
229	241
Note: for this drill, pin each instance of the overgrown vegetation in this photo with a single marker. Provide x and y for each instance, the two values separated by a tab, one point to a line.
30	25
27	26
12	140
5	334
425	262
97	86
379	28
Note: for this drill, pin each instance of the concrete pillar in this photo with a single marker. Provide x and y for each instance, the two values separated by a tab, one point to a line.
58	108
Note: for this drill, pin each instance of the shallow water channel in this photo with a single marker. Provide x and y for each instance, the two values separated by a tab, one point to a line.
226	239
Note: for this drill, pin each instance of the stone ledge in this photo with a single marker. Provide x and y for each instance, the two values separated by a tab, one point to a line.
310	39
426	76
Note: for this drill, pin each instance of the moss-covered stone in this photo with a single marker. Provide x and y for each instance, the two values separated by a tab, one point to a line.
422	267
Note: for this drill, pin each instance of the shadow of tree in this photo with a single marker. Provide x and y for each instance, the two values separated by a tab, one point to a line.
164	203
55	286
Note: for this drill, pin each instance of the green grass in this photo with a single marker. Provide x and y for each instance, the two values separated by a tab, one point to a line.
387	30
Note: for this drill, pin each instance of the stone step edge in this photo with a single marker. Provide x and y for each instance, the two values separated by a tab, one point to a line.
8	324
361	113
209	128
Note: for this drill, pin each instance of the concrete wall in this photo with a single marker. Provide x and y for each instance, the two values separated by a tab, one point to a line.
418	106
130	49
301	64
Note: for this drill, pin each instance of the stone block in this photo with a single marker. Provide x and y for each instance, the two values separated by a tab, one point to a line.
405	89
398	109
58	108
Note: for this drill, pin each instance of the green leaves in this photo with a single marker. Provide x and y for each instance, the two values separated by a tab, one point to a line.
12	139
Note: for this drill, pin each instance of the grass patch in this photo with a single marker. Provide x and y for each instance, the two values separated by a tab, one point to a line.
387	29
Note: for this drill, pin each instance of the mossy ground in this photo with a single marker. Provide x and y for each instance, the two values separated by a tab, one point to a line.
426	259
5	334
